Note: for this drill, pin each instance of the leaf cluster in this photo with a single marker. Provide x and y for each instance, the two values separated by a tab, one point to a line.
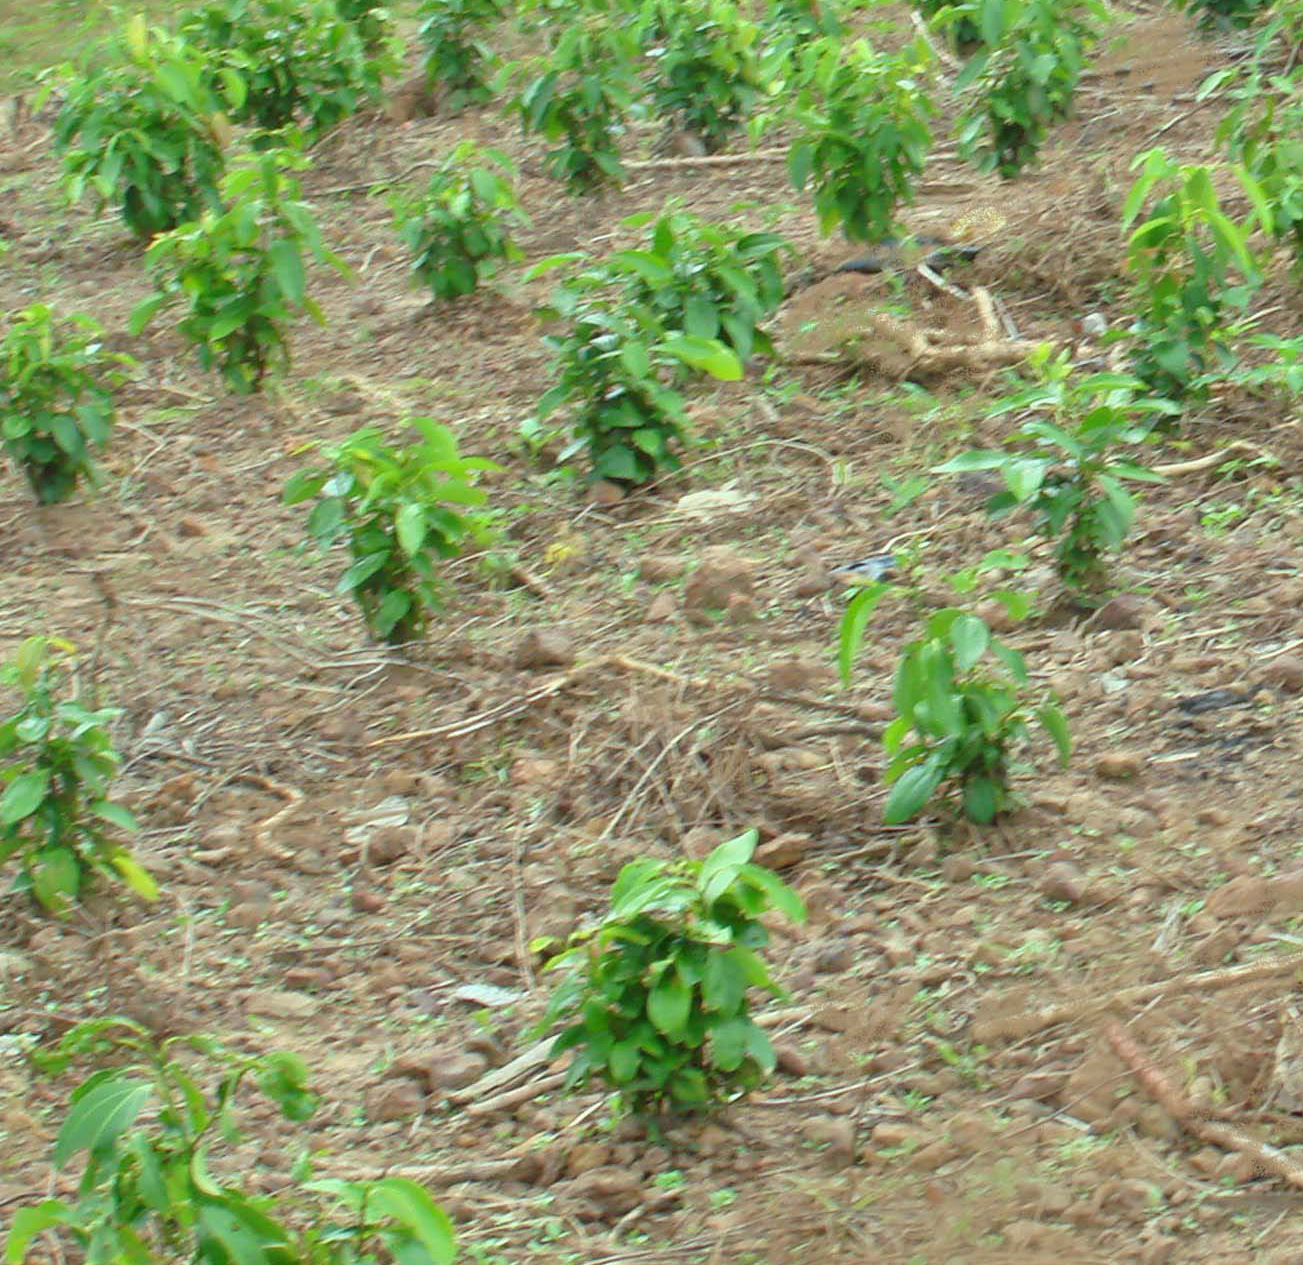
242	271
56	765
580	96
708	72
56	399
1063	464
143	128
614	366
1024	76
399	510
864	130
299	62
457	58
151	1131
655	999
954	722
1192	271
458	228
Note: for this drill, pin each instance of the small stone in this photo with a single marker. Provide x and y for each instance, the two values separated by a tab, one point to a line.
835	958
616	1191
812	581
836	1134
587	1156
1124	647
789	1059
364	901
894	1133
1247	894
995	615
699	842
1285	671
1063	881
249	915
606	493
1116	766
457	1072
662	608
782	852
958	867
400	1100
390	844
544	648
660	568
274	1004
742	609
191	527
721	575
314	978
1120	613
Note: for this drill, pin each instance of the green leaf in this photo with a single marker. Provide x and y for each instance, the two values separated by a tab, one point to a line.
101	1116
29	1222
287	268
912	791
145	311
859	610
970	637
134	875
669	1004
981	800
23	796
411	1207
1054	723
115	815
409	526
720	869
706	356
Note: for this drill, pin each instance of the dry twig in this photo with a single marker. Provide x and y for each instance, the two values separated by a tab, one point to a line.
1267	1159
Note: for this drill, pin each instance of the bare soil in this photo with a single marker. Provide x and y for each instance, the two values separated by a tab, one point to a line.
349	839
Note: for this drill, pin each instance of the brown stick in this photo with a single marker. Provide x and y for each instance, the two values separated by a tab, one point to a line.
262	831
709	160
1022	1025
1266	1158
514	1097
1211	459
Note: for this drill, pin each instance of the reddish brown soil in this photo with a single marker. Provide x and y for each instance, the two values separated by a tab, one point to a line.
914	1120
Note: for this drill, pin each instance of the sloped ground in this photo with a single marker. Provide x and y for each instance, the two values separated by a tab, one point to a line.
347	837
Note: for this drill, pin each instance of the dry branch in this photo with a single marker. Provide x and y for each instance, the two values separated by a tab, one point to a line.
1267	1159
1014	1027
1212	459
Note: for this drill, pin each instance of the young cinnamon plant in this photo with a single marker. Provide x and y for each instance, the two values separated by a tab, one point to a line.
56	765
655	998
399	510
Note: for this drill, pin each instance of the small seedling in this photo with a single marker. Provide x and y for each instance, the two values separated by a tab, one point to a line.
1024	77
580	98
400	510
241	272
458	229
299	62
613	367
56	399
709	71
1065	467
144	128
864	121
456	58
954	723
155	1184
1182	259
655	1002
56	764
